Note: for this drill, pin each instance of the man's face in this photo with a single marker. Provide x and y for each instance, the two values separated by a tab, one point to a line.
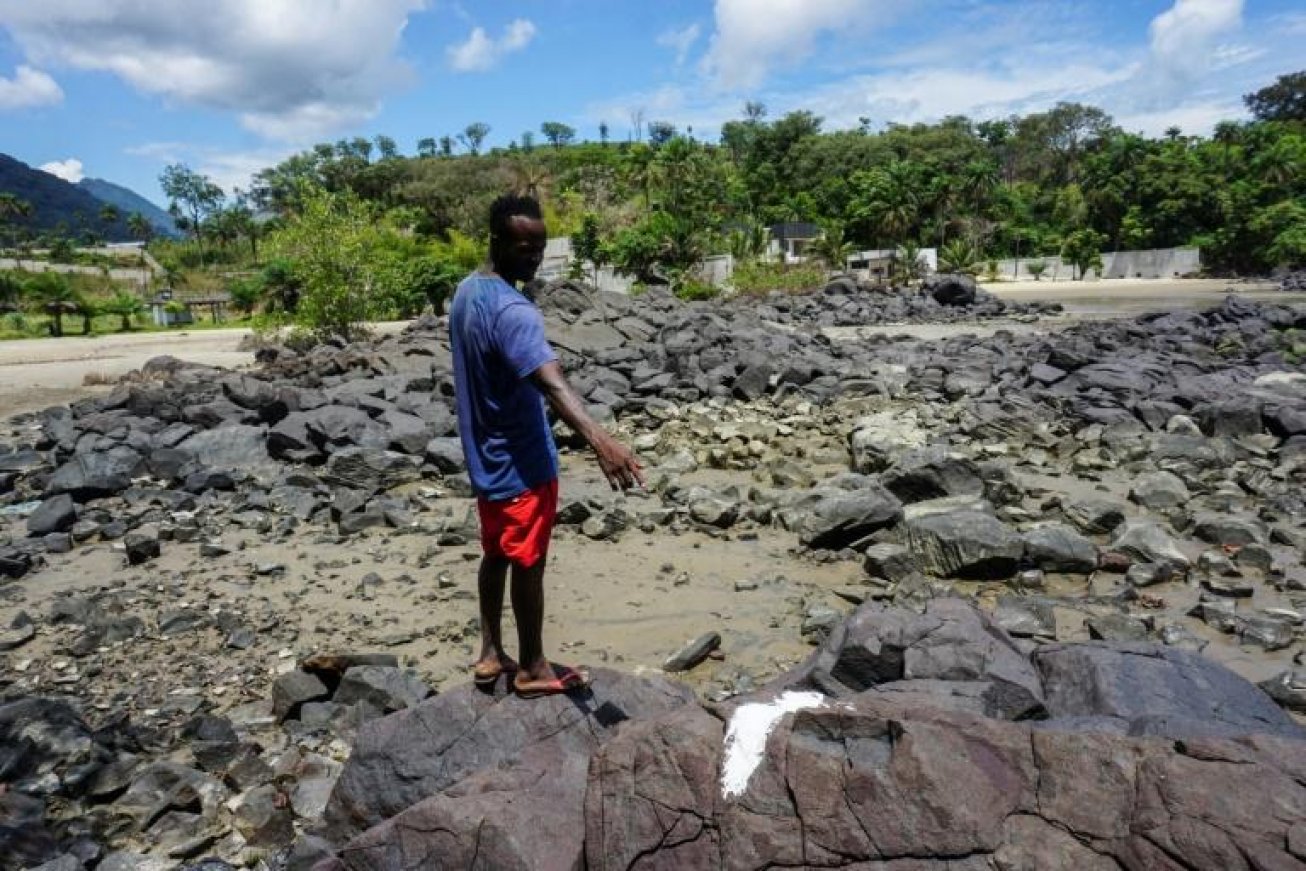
518	255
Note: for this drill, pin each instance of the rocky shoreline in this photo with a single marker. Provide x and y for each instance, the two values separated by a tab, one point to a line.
1001	515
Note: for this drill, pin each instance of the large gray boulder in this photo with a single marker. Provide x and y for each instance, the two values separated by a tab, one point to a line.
872	783
841	519
1160	491
931	473
56	514
371	470
236	449
952	542
1056	547
96	474
951	289
950	642
423	751
1149	542
1146	689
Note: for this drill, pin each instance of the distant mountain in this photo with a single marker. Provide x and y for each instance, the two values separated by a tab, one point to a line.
128	201
57	206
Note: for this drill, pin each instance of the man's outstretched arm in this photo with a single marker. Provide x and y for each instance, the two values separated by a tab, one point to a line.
619	465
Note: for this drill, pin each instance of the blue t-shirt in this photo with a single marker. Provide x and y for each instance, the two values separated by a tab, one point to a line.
498	341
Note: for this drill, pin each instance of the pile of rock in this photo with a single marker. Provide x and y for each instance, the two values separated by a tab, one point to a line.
933	739
1092	473
243	784
845	302
1294	282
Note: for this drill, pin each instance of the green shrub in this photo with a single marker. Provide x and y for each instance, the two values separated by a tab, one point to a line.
693	289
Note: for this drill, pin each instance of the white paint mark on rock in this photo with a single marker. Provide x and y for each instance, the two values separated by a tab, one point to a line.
746	737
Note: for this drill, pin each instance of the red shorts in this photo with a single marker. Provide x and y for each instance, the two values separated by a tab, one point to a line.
519	528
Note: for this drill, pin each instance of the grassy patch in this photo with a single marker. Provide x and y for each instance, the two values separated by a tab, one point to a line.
758	277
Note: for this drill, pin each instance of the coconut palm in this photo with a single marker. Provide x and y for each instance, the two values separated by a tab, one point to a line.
531	178
909	265
12	207
125	305
748	242
140	227
832	246
55	295
110	214
11	292
959	255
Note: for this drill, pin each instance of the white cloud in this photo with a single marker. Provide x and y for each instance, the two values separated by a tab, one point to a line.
29	88
481	52
69	170
926	94
227	169
1196	119
1185	39
754	36
680	41
296	69
230	170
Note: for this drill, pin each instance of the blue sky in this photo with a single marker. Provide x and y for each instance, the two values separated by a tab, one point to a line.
117	89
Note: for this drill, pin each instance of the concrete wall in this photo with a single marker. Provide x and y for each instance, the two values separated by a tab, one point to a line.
139	276
1155	263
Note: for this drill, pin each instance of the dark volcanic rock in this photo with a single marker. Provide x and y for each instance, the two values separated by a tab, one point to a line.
56	514
95	474
425	751
951	641
1055	547
1153	690
951	289
385	688
962	543
841	519
877	784
140	547
932	473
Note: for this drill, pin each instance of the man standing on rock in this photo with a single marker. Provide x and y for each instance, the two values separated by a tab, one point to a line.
503	367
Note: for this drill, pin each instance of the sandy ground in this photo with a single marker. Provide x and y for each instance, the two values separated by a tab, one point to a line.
38	373
1123	297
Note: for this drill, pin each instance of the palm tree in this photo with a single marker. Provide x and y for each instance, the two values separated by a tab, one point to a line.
88	308
11	292
959	255
978	180
125	305
173	277
909	265
140	227
109	215
749	242
832	246
12	207
56	296
531	178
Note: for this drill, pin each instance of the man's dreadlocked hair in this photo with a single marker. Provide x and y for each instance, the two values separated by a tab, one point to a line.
509	206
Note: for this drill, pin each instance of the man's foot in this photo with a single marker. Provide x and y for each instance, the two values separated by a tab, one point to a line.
557	679
487	670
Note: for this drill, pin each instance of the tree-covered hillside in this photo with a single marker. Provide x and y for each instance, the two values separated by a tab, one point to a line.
38	207
128	202
1019	186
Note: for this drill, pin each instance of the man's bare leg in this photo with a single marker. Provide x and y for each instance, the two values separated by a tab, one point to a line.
528	608
490	581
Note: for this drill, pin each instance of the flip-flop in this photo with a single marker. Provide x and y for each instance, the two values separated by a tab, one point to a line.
567	680
485	674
